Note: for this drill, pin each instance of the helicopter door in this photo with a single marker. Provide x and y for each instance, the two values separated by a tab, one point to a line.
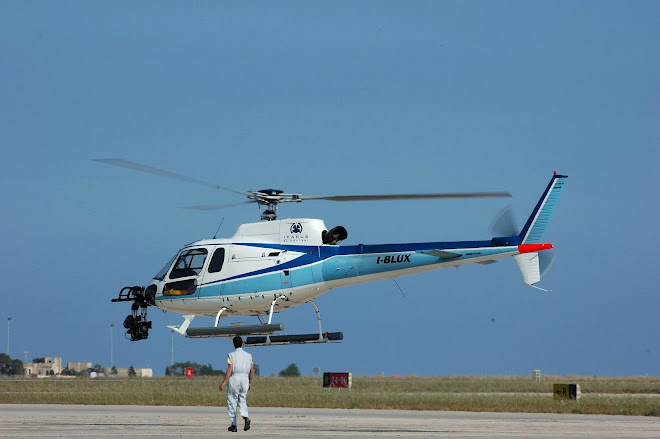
185	275
216	271
287	283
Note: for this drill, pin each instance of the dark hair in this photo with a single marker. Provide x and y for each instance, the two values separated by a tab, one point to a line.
238	341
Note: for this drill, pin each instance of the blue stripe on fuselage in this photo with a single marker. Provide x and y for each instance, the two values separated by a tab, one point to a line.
314	254
327	251
411	247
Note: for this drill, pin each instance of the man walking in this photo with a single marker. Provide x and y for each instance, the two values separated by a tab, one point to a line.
239	374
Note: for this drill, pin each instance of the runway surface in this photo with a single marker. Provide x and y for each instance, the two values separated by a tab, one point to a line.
75	421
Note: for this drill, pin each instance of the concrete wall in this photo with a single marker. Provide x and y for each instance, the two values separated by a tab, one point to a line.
139	373
144	373
78	366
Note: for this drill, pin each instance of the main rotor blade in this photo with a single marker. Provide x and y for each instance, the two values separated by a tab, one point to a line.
163	173
217	206
406	196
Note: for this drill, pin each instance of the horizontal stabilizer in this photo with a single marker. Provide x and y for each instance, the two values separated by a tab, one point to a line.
294	339
230	331
443	254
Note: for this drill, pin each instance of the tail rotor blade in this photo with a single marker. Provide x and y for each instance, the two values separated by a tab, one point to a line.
546	261
504	223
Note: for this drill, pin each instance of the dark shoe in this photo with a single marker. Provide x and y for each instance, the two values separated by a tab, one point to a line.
232	427
247	424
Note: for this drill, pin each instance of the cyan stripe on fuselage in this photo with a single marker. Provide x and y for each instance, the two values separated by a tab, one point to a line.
325	264
314	254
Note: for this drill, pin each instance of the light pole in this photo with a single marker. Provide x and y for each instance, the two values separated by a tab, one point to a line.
8	320
112	325
172	351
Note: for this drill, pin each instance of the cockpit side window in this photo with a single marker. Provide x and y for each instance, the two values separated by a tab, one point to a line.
217	260
189	263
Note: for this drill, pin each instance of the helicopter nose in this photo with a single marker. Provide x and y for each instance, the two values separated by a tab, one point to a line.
150	294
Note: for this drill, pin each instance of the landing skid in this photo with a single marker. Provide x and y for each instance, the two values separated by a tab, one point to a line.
273	340
264	330
232	331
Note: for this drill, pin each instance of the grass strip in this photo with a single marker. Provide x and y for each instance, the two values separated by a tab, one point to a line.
612	396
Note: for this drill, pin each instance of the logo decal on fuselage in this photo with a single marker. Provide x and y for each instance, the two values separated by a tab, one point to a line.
392	259
296	235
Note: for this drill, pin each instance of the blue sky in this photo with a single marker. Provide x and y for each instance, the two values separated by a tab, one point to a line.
337	98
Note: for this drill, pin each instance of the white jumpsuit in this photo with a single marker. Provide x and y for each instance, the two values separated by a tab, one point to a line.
239	383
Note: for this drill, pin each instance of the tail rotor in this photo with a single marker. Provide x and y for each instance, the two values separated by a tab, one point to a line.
504	224
546	261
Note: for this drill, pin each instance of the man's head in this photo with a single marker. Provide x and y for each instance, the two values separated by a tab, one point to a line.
238	341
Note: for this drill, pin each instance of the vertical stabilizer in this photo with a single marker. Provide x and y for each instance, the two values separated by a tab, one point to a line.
540	217
528	264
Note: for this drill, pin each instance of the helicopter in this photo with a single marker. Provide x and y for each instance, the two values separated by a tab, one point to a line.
273	265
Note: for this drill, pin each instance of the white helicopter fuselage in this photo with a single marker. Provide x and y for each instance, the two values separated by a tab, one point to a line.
288	259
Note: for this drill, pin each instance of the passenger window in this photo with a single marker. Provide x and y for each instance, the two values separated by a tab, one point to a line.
217	260
189	263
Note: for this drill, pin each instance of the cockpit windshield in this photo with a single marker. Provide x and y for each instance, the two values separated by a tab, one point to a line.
163	271
189	263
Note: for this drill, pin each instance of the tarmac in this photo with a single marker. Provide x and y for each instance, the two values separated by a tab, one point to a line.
89	421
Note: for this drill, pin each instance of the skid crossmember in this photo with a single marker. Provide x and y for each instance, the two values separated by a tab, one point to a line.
320	337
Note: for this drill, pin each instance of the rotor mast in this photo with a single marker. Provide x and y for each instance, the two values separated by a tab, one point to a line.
270	198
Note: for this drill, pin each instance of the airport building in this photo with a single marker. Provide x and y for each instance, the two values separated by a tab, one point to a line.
50	366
